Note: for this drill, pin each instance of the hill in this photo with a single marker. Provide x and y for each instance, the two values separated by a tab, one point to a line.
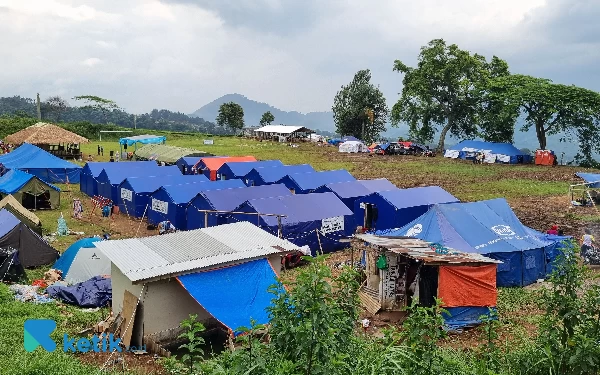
254	110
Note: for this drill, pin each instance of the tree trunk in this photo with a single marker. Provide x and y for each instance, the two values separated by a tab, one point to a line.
39	108
541	134
440	147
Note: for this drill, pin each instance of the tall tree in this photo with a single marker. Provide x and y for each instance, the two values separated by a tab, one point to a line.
96	103
443	93
267	118
231	115
54	107
359	109
552	109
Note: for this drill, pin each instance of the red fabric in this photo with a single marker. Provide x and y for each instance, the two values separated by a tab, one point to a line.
467	286
39	282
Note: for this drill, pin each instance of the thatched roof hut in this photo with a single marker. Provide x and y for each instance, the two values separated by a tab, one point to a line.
45	134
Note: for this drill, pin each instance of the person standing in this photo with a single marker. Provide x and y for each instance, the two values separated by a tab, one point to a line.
98	150
102	150
587	246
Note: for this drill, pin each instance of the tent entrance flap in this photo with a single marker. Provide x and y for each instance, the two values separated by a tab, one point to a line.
235	294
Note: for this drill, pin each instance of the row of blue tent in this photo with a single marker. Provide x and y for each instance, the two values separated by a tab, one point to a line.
319	209
503	152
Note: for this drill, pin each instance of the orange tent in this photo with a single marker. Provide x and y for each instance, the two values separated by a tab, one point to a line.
213	164
544	157
467	286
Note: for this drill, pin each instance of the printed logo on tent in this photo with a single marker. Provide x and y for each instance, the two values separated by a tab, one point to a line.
159	206
529	262
332	224
126	194
418	228
503	230
94	256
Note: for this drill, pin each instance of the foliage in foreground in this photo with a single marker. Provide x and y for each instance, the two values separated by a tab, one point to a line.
313	331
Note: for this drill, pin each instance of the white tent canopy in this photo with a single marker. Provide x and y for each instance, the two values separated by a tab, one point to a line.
353	146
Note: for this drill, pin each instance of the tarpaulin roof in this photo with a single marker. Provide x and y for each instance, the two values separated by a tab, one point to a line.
148	184
378	184
29	156
215	163
190	161
273	174
229	199
307	181
590	178
181	194
300	208
479	227
116	176
242	168
95	168
234	295
350	138
168	154
496	148
419	196
14	180
144	139
11	204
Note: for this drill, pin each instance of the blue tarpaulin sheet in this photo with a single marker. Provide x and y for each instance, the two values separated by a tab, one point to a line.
47	167
96	292
593	179
304	182
234	295
143	139
13	180
464	317
495	148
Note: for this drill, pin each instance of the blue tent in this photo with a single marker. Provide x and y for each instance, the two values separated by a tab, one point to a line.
42	164
234	295
109	180
270	175
170	202
12	181
305	215
227	200
395	208
592	179
349	191
92	170
240	169
506	152
486	227
134	192
302	183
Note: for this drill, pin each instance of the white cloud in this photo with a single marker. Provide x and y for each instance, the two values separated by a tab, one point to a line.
294	54
91	62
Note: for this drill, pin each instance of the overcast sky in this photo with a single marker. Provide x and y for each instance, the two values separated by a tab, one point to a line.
293	54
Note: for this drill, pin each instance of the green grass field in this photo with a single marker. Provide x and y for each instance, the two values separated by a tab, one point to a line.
466	181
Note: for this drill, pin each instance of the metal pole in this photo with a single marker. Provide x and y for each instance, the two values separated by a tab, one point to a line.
206	220
279	230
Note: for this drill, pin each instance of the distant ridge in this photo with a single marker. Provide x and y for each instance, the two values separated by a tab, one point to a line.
254	110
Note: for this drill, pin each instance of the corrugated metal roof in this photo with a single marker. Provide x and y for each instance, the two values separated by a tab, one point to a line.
422	250
183	252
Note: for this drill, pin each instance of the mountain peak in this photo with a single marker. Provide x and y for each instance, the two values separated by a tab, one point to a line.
253	111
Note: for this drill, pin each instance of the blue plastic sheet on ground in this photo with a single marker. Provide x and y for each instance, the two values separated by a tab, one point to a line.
95	292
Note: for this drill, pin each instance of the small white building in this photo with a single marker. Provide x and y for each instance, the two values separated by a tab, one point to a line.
283	133
220	273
